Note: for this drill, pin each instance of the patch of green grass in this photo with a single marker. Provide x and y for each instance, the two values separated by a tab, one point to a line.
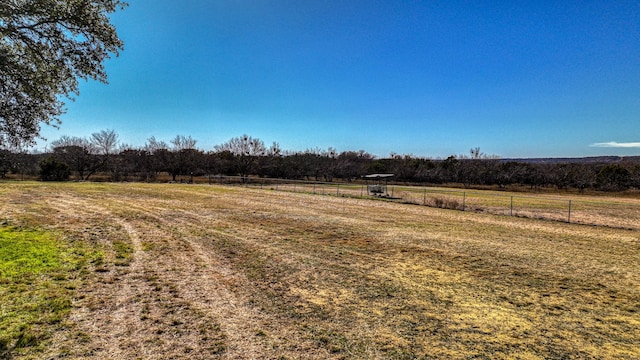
37	276
124	252
26	253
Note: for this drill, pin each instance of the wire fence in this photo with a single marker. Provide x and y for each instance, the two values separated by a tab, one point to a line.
618	213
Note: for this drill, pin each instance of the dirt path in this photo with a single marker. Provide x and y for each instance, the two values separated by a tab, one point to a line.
210	282
174	297
154	307
108	311
201	278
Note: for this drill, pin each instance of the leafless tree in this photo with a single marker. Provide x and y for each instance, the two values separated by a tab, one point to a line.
181	142
244	145
274	150
476	154
105	142
66	140
87	156
154	145
184	159
77	153
246	150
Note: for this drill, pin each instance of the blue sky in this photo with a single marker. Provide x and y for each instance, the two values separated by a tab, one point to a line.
428	78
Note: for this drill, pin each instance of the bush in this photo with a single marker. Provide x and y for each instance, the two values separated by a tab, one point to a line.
445	203
52	169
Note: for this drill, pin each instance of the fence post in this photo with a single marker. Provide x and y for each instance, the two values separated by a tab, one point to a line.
569	217
464	200
511	207
338	190
392	189
424	199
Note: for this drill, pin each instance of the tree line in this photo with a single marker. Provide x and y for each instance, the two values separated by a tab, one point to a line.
102	157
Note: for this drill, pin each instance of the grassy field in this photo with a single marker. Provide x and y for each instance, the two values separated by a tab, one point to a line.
599	209
165	271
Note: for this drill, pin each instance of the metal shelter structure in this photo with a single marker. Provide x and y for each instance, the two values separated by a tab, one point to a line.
377	184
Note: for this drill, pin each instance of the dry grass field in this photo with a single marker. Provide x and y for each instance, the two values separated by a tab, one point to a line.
602	209
168	271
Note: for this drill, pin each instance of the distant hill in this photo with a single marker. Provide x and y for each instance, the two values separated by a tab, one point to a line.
582	160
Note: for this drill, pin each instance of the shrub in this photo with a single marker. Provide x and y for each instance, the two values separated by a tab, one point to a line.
445	203
613	178
52	169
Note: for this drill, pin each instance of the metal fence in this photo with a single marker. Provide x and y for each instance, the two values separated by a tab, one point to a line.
618	213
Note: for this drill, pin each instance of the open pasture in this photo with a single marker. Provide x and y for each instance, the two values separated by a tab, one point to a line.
200	272
598	210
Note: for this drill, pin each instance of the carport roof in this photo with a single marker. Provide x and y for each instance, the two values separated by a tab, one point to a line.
377	176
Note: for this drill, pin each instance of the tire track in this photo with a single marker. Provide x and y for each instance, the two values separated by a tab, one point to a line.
200	279
112	326
207	282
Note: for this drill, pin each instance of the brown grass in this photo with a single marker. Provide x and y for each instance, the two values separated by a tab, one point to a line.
196	271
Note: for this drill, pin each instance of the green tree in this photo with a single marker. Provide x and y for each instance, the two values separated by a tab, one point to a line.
5	162
613	177
45	47
52	169
75	152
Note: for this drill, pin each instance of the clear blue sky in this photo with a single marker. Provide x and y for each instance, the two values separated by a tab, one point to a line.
428	78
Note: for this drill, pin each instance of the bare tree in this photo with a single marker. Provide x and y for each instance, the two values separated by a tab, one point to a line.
184	157
243	145
181	142
105	142
475	153
246	150
87	156
275	150
158	156
77	153
66	140
154	145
